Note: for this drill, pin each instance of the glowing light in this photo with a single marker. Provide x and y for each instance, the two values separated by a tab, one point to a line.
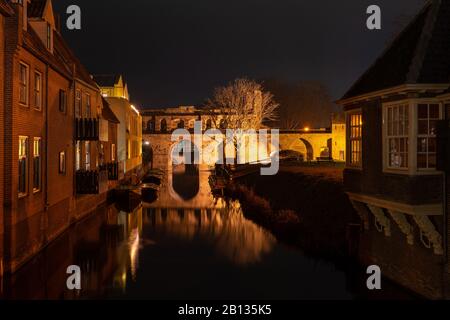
134	109
307	129
147	143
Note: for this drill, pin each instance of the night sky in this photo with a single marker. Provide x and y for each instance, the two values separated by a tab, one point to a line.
174	52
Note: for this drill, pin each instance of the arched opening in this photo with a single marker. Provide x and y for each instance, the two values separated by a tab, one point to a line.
150	126
309	150
163	126
185	172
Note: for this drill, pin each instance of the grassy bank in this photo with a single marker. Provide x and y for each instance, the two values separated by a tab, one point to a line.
306	207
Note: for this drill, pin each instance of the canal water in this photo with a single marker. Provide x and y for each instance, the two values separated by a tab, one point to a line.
185	245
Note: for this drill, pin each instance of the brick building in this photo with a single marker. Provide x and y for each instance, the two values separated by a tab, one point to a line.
59	135
5	11
392	174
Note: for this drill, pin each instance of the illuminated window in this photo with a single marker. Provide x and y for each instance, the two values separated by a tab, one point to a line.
23	84
355	141
428	116
78	156
398	136
113	152
88	156
23	166
62	162
37	90
37	164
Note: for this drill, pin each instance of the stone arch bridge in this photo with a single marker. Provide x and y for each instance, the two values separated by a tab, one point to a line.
312	144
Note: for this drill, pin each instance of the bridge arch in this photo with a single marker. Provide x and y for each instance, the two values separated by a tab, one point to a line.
309	150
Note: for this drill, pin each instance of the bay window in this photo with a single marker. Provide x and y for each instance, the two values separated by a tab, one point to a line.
428	115
410	136
398	136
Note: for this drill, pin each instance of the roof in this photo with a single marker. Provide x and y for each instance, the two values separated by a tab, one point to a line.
419	54
5	8
107	113
36	8
33	43
66	53
107	80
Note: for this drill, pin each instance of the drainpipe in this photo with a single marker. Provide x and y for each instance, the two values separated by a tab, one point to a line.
46	154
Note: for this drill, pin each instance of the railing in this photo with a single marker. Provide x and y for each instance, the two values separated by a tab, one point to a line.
112	169
86	129
87	182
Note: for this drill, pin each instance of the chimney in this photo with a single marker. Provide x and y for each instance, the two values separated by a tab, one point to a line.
25	14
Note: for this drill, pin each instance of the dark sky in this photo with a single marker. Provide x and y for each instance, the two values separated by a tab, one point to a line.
174	52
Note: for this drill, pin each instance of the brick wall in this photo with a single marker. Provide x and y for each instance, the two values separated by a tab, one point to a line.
2	82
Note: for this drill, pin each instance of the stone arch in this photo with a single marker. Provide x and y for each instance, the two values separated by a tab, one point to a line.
309	150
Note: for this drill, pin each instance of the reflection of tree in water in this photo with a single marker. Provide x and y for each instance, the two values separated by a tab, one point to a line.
234	237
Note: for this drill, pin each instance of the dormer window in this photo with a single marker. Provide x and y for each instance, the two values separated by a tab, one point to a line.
49	36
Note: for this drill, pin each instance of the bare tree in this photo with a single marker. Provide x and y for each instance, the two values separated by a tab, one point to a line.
242	105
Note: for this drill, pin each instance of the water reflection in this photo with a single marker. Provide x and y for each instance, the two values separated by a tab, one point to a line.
199	248
226	228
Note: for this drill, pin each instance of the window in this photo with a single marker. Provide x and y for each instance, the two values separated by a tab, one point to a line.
88	155
428	115
113	152
37	90
88	106
62	101
23	166
78	156
78	104
49	36
37	164
23	84
355	141
398	136
62	162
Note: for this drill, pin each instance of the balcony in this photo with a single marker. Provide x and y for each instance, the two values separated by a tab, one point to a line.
91	182
112	169
86	129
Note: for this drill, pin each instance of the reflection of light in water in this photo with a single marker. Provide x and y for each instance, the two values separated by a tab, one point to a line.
234	237
133	243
